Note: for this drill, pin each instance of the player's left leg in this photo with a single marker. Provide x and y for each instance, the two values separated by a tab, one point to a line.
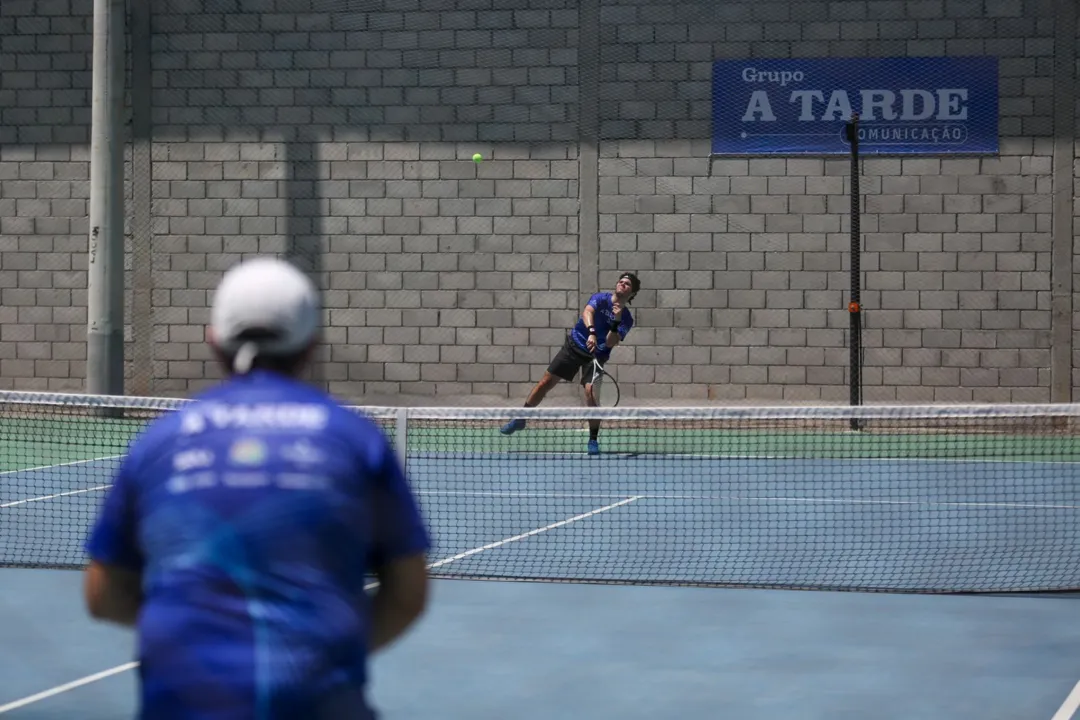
592	401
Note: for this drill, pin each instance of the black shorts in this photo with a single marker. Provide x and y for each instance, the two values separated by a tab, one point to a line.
569	360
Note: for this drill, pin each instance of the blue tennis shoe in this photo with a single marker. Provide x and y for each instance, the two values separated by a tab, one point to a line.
512	427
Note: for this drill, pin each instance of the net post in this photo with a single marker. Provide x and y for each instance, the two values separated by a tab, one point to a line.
401	438
854	304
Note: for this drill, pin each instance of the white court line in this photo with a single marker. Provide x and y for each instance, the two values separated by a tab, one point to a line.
56	495
665	496
537	531
65	688
15	503
522	536
1068	708
67	464
59	689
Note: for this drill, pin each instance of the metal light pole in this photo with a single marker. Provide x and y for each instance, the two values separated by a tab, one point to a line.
105	279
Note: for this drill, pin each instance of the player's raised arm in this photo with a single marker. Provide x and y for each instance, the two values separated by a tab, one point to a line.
613	336
588	316
625	290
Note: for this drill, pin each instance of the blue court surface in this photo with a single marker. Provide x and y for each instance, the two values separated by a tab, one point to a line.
498	650
492	648
865	524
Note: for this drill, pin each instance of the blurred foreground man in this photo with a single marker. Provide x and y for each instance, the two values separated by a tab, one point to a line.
240	530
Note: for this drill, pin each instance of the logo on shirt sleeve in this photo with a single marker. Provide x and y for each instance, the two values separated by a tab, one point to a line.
192	423
192	459
248	451
179	484
303	452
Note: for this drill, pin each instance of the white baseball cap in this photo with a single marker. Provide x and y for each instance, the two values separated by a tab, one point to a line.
264	306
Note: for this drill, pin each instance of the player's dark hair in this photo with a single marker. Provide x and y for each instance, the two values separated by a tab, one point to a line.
635	284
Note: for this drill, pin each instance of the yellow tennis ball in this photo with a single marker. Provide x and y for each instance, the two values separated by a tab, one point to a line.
477	157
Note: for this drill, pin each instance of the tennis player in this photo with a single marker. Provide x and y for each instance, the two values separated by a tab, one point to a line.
604	323
240	529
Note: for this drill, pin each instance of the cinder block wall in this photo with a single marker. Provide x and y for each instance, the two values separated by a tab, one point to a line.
342	137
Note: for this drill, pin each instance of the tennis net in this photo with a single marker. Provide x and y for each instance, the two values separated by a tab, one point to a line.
917	499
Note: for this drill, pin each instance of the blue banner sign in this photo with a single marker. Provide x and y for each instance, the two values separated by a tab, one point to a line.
906	106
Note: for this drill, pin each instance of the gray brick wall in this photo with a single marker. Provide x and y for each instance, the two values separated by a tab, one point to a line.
957	251
440	277
45	59
341	137
956	289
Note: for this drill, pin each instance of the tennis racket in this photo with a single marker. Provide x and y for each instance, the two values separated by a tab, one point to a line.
604	387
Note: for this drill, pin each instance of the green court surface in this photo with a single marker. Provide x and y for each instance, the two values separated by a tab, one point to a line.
35	442
29	443
570	437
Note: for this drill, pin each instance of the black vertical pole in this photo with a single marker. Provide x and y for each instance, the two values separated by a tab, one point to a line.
854	304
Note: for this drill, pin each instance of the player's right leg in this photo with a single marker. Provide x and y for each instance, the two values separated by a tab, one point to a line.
539	390
564	366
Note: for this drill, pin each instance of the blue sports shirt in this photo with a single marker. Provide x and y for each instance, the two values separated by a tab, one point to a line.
255	516
603	321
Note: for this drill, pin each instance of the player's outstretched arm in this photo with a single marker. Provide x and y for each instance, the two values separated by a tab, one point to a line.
112	593
399	560
400	599
112	581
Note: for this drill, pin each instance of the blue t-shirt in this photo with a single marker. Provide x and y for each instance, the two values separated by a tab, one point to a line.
603	321
255	516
